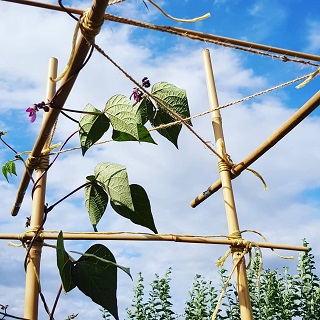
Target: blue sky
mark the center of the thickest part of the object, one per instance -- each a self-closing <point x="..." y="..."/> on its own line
<point x="286" y="213"/>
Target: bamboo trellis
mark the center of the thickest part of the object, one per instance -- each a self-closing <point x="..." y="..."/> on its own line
<point x="227" y="171"/>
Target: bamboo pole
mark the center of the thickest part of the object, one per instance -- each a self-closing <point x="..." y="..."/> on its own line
<point x="33" y="262"/>
<point x="232" y="219"/>
<point x="181" y="32"/>
<point x="286" y="127"/>
<point x="96" y="15"/>
<point x="131" y="236"/>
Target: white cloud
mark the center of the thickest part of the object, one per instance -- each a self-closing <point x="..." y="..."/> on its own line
<point x="172" y="178"/>
<point x="313" y="37"/>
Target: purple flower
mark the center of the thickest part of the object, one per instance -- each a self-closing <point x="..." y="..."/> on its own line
<point x="137" y="94"/>
<point x="32" y="113"/>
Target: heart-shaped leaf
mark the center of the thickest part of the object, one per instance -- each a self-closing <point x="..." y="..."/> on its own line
<point x="174" y="99"/>
<point x="114" y="179"/>
<point x="122" y="115"/>
<point x="65" y="265"/>
<point x="96" y="201"/>
<point x="97" y="278"/>
<point x="142" y="214"/>
<point x="92" y="127"/>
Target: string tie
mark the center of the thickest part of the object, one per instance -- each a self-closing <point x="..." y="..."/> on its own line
<point x="42" y="161"/>
<point x="88" y="27"/>
<point x="207" y="15"/>
<point x="313" y="75"/>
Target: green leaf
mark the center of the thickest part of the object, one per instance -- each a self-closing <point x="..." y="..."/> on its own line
<point x="114" y="180"/>
<point x="96" y="201"/>
<point x="65" y="265"/>
<point x="122" y="115"/>
<point x="176" y="100"/>
<point x="142" y="109"/>
<point x="161" y="117"/>
<point x="9" y="168"/>
<point x="142" y="214"/>
<point x="98" y="279"/>
<point x="144" y="135"/>
<point x="92" y="127"/>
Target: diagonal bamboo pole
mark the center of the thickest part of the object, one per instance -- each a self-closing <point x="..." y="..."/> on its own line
<point x="37" y="216"/>
<point x="95" y="16"/>
<point x="286" y="127"/>
<point x="232" y="219"/>
<point x="200" y="36"/>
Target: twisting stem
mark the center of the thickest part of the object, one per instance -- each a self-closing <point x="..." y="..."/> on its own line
<point x="1" y="134"/>
<point x="55" y="302"/>
<point x="68" y="195"/>
<point x="5" y="314"/>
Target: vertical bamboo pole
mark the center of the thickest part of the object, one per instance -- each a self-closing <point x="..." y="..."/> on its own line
<point x="232" y="220"/>
<point x="33" y="264"/>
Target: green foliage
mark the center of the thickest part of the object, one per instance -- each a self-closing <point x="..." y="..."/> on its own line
<point x="175" y="99"/>
<point x="94" y="273"/>
<point x="129" y="201"/>
<point x="98" y="279"/>
<point x="158" y="306"/>
<point x="308" y="287"/>
<point x="114" y="180"/>
<point x="65" y="265"/>
<point x="96" y="201"/>
<point x="9" y="168"/>
<point x="274" y="296"/>
<point x="202" y="300"/>
<point x="141" y="214"/>
<point x="122" y="115"/>
<point x="128" y="121"/>
<point x="92" y="125"/>
<point x="138" y="306"/>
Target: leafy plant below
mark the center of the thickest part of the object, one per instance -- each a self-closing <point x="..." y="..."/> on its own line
<point x="274" y="295"/>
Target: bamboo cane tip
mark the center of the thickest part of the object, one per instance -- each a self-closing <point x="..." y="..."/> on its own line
<point x="15" y="210"/>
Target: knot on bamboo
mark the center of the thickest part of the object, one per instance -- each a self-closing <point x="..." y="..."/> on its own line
<point x="243" y="244"/>
<point x="25" y="237"/>
<point x="223" y="166"/>
<point x="36" y="163"/>
<point x="89" y="27"/>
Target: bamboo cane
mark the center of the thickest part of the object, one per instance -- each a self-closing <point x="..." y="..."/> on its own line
<point x="131" y="236"/>
<point x="232" y="220"/>
<point x="181" y="32"/>
<point x="33" y="263"/>
<point x="95" y="15"/>
<point x="286" y="127"/>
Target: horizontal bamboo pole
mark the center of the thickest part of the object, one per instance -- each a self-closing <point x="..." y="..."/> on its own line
<point x="181" y="32"/>
<point x="289" y="125"/>
<point x="95" y="15"/>
<point x="143" y="237"/>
